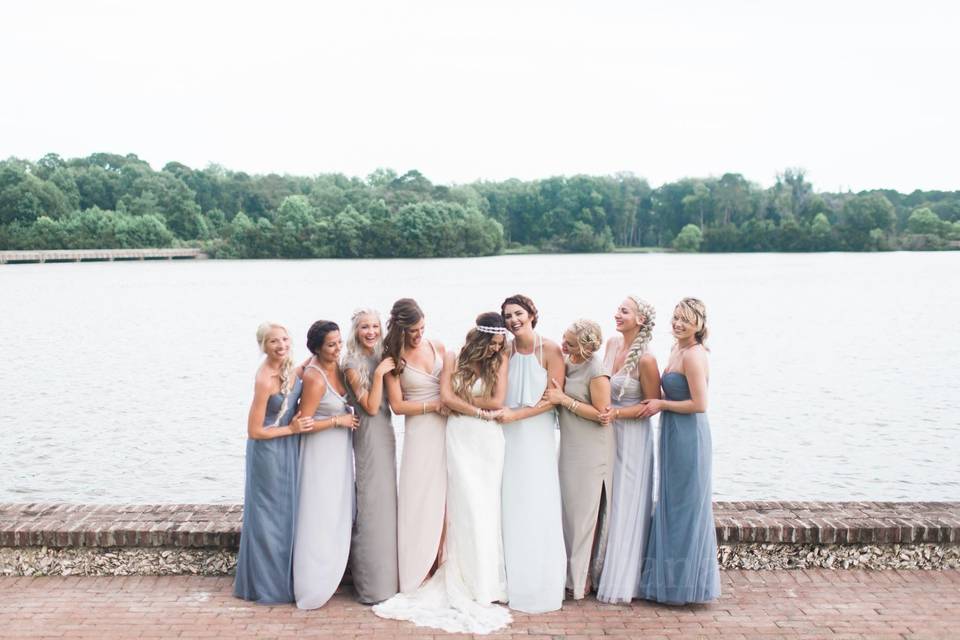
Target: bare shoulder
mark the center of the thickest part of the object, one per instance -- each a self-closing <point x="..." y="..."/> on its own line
<point x="264" y="381"/>
<point x="648" y="360"/>
<point x="552" y="349"/>
<point x="312" y="378"/>
<point x="613" y="343"/>
<point x="695" y="356"/>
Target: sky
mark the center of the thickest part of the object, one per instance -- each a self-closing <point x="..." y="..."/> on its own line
<point x="859" y="94"/>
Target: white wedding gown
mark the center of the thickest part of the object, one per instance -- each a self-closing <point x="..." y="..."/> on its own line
<point x="459" y="596"/>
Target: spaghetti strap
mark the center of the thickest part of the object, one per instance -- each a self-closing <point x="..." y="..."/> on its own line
<point x="540" y="346"/>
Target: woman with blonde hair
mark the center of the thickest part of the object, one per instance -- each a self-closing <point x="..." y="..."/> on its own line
<point x="634" y="378"/>
<point x="460" y="595"/>
<point x="265" y="560"/>
<point x="681" y="556"/>
<point x="413" y="389"/>
<point x="373" y="551"/>
<point x="586" y="454"/>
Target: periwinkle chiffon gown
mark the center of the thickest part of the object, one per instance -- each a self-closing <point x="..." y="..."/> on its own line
<point x="533" y="547"/>
<point x="632" y="497"/>
<point x="265" y="560"/>
<point x="587" y="451"/>
<point x="681" y="557"/>
<point x="458" y="597"/>
<point x="325" y="515"/>
<point x="422" y="498"/>
<point x="373" y="551"/>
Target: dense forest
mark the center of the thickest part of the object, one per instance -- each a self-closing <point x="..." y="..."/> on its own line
<point x="112" y="201"/>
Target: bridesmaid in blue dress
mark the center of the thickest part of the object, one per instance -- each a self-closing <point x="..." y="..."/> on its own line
<point x="265" y="561"/>
<point x="533" y="547"/>
<point x="681" y="558"/>
<point x="326" y="505"/>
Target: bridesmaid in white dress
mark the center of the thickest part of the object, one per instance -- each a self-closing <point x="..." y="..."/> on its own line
<point x="321" y="542"/>
<point x="459" y="597"/>
<point x="413" y="389"/>
<point x="534" y="552"/>
<point x="635" y="378"/>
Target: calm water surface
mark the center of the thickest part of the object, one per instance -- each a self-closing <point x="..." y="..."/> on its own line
<point x="833" y="376"/>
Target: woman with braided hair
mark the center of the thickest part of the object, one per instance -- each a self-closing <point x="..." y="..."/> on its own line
<point x="681" y="556"/>
<point x="587" y="451"/>
<point x="634" y="377"/>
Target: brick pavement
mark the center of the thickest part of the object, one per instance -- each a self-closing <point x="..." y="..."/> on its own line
<point x="755" y="604"/>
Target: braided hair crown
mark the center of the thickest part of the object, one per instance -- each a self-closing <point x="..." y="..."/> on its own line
<point x="638" y="347"/>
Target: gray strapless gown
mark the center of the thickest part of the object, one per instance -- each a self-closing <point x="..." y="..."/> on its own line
<point x="373" y="552"/>
<point x="325" y="514"/>
<point x="265" y="560"/>
<point x="681" y="558"/>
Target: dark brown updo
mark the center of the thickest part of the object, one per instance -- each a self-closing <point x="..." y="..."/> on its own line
<point x="318" y="333"/>
<point x="522" y="301"/>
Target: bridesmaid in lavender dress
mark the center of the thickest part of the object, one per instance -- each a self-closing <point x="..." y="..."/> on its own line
<point x="413" y="389"/>
<point x="635" y="378"/>
<point x="325" y="513"/>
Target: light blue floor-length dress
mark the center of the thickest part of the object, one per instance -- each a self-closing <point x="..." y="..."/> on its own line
<point x="681" y="557"/>
<point x="534" y="553"/>
<point x="325" y="514"/>
<point x="265" y="560"/>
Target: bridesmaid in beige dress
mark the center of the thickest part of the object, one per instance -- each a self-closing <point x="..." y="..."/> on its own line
<point x="413" y="389"/>
<point x="587" y="452"/>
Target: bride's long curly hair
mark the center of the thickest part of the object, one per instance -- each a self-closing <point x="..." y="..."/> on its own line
<point x="475" y="360"/>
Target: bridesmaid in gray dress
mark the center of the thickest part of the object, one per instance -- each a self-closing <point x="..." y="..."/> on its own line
<point x="587" y="451"/>
<point x="373" y="552"/>
<point x="325" y="513"/>
<point x="635" y="377"/>
<point x="681" y="558"/>
<point x="265" y="561"/>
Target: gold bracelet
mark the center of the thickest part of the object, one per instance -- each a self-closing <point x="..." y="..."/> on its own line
<point x="336" y="421"/>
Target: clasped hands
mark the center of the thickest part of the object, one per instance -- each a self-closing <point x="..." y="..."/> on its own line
<point x="306" y="424"/>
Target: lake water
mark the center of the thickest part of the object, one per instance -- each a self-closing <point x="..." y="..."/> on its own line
<point x="833" y="376"/>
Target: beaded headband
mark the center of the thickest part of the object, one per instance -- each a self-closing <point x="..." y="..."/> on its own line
<point x="500" y="331"/>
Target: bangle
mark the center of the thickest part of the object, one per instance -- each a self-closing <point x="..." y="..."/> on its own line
<point x="424" y="409"/>
<point x="336" y="421"/>
<point x="573" y="407"/>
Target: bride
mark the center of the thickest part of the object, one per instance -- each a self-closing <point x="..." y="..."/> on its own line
<point x="459" y="596"/>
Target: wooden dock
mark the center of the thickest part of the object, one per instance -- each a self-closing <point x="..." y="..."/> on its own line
<point x="101" y="255"/>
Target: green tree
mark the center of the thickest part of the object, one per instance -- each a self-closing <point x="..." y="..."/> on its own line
<point x="689" y="239"/>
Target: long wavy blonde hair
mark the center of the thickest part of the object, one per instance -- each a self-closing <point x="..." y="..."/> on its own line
<point x="287" y="376"/>
<point x="647" y="315"/>
<point x="356" y="357"/>
<point x="474" y="362"/>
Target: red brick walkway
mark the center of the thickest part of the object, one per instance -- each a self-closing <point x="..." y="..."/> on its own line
<point x="792" y="604"/>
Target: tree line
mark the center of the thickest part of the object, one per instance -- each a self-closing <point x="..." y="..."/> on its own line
<point x="109" y="201"/>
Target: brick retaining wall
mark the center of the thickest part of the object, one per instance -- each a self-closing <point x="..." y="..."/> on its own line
<point x="77" y="539"/>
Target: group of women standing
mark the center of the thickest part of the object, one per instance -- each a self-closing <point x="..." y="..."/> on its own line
<point x="484" y="511"/>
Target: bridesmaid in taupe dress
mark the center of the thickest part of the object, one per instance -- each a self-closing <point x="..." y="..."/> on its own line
<point x="587" y="452"/>
<point x="373" y="551"/>
<point x="413" y="388"/>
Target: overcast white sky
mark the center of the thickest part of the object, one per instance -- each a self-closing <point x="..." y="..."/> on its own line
<point x="861" y="94"/>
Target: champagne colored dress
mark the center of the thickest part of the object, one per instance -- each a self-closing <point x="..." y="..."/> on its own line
<point x="459" y="596"/>
<point x="422" y="499"/>
<point x="534" y="553"/>
<point x="681" y="558"/>
<point x="632" y="495"/>
<point x="587" y="451"/>
<point x="325" y="515"/>
<point x="265" y="561"/>
<point x="373" y="552"/>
